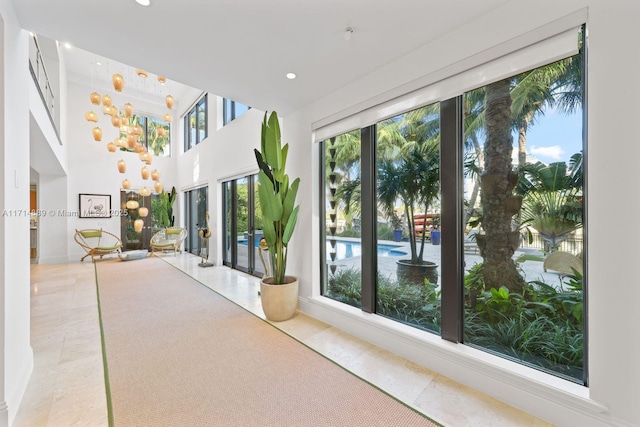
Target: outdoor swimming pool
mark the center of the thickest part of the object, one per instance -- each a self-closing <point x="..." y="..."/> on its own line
<point x="347" y="249"/>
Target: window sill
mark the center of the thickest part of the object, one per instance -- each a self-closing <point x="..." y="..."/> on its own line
<point x="521" y="386"/>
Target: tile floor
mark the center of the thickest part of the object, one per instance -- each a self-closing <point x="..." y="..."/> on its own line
<point x="67" y="384"/>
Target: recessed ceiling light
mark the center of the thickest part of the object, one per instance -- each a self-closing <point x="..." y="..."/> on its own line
<point x="348" y="32"/>
<point x="143" y="2"/>
<point x="291" y="76"/>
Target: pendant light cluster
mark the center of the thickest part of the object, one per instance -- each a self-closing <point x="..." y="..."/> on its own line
<point x="129" y="139"/>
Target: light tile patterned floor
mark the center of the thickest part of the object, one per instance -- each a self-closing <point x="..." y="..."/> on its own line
<point x="67" y="385"/>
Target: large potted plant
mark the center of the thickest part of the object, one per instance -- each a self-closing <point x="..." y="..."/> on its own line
<point x="413" y="180"/>
<point x="277" y="195"/>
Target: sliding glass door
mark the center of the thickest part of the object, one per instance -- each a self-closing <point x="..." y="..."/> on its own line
<point x="196" y="211"/>
<point x="242" y="225"/>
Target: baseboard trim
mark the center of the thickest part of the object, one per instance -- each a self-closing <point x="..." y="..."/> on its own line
<point x="4" y="414"/>
<point x="15" y="398"/>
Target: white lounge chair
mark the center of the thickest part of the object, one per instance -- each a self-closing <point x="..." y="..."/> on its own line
<point x="563" y="262"/>
<point x="168" y="240"/>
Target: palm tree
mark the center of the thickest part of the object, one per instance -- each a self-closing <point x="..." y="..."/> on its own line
<point x="414" y="180"/>
<point x="558" y="84"/>
<point x="553" y="199"/>
<point x="409" y="167"/>
<point x="499" y="242"/>
<point x="342" y="169"/>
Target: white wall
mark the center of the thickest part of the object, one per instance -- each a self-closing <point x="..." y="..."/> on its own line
<point x="613" y="396"/>
<point x="16" y="357"/>
<point x="226" y="153"/>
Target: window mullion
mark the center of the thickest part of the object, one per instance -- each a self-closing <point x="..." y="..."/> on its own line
<point x="369" y="218"/>
<point x="451" y="181"/>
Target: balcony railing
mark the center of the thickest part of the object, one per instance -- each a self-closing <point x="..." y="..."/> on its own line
<point x="40" y="76"/>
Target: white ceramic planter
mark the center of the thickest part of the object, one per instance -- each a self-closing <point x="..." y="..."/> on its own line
<point x="279" y="302"/>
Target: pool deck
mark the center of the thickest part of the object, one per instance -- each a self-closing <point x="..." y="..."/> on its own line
<point x="531" y="270"/>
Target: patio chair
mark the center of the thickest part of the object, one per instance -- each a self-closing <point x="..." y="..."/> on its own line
<point x="97" y="242"/>
<point x="168" y="239"/>
<point x="470" y="244"/>
<point x="563" y="262"/>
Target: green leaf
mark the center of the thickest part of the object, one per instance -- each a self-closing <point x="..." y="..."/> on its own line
<point x="289" y="201"/>
<point x="288" y="230"/>
<point x="270" y="235"/>
<point x="272" y="149"/>
<point x="270" y="202"/>
<point x="263" y="166"/>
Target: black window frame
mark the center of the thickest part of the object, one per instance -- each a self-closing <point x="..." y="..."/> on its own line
<point x="452" y="209"/>
<point x="189" y="141"/>
<point x="229" y="112"/>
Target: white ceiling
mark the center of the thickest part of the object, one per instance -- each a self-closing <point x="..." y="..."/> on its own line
<point x="242" y="49"/>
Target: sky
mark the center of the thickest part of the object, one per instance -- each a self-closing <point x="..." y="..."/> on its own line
<point x="554" y="137"/>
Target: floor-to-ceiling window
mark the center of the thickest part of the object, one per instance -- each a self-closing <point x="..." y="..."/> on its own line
<point x="195" y="202"/>
<point x="524" y="197"/>
<point x="342" y="256"/>
<point x="407" y="167"/>
<point x="483" y="193"/>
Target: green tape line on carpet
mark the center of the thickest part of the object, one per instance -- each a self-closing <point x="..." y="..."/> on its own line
<point x="105" y="365"/>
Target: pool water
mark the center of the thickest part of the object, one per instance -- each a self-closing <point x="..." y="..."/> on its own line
<point x="347" y="249"/>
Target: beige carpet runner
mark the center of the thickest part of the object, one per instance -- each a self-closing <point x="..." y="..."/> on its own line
<point x="179" y="354"/>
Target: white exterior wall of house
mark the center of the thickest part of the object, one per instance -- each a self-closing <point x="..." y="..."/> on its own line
<point x="612" y="397"/>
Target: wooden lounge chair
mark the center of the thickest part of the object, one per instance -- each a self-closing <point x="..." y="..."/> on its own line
<point x="168" y="239"/>
<point x="97" y="242"/>
<point x="563" y="262"/>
